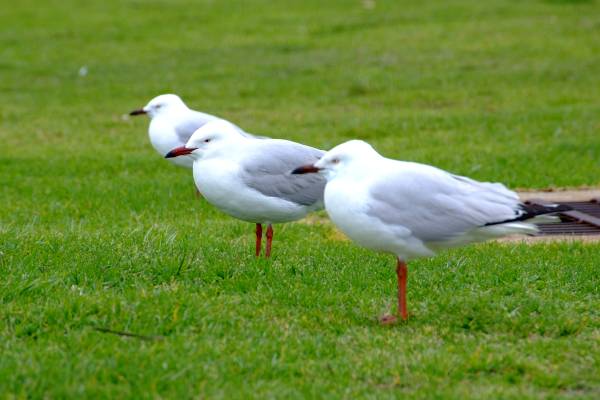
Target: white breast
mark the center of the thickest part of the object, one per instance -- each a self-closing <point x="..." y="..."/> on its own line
<point x="345" y="205"/>
<point x="219" y="182"/>
<point x="164" y="139"/>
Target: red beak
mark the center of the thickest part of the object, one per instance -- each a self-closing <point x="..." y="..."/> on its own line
<point x="306" y="169"/>
<point x="179" y="151"/>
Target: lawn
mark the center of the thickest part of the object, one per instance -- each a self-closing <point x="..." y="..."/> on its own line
<point x="98" y="233"/>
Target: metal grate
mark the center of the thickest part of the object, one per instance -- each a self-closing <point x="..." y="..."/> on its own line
<point x="584" y="219"/>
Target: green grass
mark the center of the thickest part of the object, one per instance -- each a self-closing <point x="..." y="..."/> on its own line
<point x="96" y="231"/>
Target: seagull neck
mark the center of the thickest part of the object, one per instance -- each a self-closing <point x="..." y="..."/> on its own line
<point x="239" y="139"/>
<point x="178" y="109"/>
<point x="225" y="149"/>
<point x="361" y="169"/>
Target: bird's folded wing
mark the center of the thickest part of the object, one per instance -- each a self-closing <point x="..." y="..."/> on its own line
<point x="435" y="205"/>
<point x="187" y="126"/>
<point x="267" y="169"/>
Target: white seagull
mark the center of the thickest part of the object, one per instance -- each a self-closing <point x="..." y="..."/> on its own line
<point x="415" y="210"/>
<point x="249" y="177"/>
<point x="172" y="123"/>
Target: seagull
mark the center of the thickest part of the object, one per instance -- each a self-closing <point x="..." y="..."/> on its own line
<point x="172" y="124"/>
<point x="414" y="210"/>
<point x="249" y="178"/>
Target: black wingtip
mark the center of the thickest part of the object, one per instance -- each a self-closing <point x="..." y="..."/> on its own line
<point x="562" y="208"/>
<point x="532" y="209"/>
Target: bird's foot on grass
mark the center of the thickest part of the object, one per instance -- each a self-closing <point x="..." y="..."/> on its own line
<point x="389" y="319"/>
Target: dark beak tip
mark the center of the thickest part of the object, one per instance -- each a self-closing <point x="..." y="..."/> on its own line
<point x="305" y="169"/>
<point x="137" y="112"/>
<point x="179" y="151"/>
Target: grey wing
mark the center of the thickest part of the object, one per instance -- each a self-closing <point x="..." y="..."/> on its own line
<point x="186" y="127"/>
<point x="436" y="206"/>
<point x="268" y="171"/>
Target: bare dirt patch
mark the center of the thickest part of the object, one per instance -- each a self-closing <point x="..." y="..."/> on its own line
<point x="582" y="194"/>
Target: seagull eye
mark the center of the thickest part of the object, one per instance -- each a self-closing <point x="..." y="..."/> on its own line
<point x="335" y="161"/>
<point x="207" y="140"/>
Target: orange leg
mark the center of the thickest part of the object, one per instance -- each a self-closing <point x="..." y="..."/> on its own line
<point x="258" y="239"/>
<point x="269" y="240"/>
<point x="402" y="275"/>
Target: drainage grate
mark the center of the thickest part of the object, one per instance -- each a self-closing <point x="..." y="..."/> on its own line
<point x="584" y="219"/>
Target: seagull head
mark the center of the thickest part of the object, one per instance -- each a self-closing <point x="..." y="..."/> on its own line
<point x="212" y="136"/>
<point x="340" y="159"/>
<point x="162" y="104"/>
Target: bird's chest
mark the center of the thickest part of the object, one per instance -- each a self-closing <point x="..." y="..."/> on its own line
<point x="220" y="183"/>
<point x="216" y="180"/>
<point x="163" y="136"/>
<point x="347" y="204"/>
<point x="346" y="207"/>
